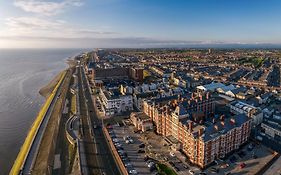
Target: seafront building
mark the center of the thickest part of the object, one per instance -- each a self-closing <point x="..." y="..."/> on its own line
<point x="191" y="121"/>
<point x="115" y="102"/>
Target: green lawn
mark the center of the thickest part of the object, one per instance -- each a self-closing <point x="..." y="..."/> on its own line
<point x="256" y="62"/>
<point x="165" y="170"/>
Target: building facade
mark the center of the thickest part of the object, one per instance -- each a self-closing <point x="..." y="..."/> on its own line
<point x="203" y="138"/>
<point x="114" y="102"/>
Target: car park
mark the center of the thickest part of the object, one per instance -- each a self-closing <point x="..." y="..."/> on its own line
<point x="128" y="139"/>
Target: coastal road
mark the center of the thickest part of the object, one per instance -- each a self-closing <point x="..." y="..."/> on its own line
<point x="32" y="154"/>
<point x="101" y="159"/>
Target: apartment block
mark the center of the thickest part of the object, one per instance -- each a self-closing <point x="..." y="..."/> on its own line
<point x="202" y="136"/>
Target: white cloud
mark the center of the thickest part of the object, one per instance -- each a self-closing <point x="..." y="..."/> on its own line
<point x="31" y="25"/>
<point x="47" y="8"/>
<point x="42" y="27"/>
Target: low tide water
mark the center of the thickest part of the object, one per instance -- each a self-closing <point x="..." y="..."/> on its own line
<point x="22" y="73"/>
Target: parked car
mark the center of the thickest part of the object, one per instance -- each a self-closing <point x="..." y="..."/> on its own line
<point x="202" y="173"/>
<point x="146" y="158"/>
<point x="191" y="172"/>
<point x="142" y="145"/>
<point x="151" y="164"/>
<point x="127" y="141"/>
<point x="242" y="165"/>
<point x="214" y="170"/>
<point x="172" y="154"/>
<point x="133" y="171"/>
<point x="251" y="147"/>
<point x="185" y="166"/>
<point x="224" y="165"/>
<point x="141" y="151"/>
<point x="128" y="165"/>
<point x="152" y="168"/>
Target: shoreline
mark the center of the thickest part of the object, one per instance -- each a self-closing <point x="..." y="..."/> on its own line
<point x="46" y="90"/>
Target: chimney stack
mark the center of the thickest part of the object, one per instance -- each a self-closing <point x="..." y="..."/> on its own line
<point x="232" y="121"/>
<point x="190" y="126"/>
<point x="207" y="95"/>
<point x="214" y="120"/>
<point x="201" y="131"/>
<point x="222" y="117"/>
<point x="216" y="127"/>
<point x="192" y="95"/>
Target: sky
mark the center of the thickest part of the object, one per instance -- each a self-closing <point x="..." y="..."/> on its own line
<point x="138" y="23"/>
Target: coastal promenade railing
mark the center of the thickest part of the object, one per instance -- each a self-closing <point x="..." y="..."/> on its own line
<point x="22" y="155"/>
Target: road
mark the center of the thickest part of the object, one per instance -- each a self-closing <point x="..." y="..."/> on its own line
<point x="98" y="154"/>
<point x="32" y="154"/>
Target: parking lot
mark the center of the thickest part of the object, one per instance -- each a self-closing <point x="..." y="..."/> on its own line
<point x="128" y="146"/>
<point x="248" y="160"/>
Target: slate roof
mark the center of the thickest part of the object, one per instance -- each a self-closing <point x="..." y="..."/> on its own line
<point x="211" y="132"/>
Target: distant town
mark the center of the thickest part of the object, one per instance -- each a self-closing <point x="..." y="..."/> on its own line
<point x="164" y="112"/>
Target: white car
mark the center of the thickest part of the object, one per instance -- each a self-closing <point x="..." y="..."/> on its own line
<point x="128" y="164"/>
<point x="127" y="141"/>
<point x="172" y="154"/>
<point x="191" y="172"/>
<point x="115" y="140"/>
<point x="133" y="171"/>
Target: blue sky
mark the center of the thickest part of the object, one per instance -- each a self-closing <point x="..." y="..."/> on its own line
<point x="138" y="23"/>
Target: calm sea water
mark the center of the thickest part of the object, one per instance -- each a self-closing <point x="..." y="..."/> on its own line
<point x="22" y="74"/>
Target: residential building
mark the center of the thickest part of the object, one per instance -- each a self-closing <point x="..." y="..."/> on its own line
<point x="136" y="74"/>
<point x="115" y="102"/>
<point x="141" y="121"/>
<point x="239" y="107"/>
<point x="202" y="137"/>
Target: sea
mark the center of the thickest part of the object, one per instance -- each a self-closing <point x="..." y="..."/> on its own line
<point x="22" y="73"/>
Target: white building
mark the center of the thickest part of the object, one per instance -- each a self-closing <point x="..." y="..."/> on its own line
<point x="114" y="102"/>
<point x="210" y="87"/>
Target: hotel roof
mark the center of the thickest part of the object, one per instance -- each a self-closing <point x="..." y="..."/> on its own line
<point x="221" y="127"/>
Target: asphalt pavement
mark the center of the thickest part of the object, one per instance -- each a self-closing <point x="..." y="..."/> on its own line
<point x="99" y="157"/>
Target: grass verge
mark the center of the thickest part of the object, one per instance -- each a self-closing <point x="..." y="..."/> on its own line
<point x="165" y="170"/>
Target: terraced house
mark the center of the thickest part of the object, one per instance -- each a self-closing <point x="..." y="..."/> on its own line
<point x="203" y="137"/>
